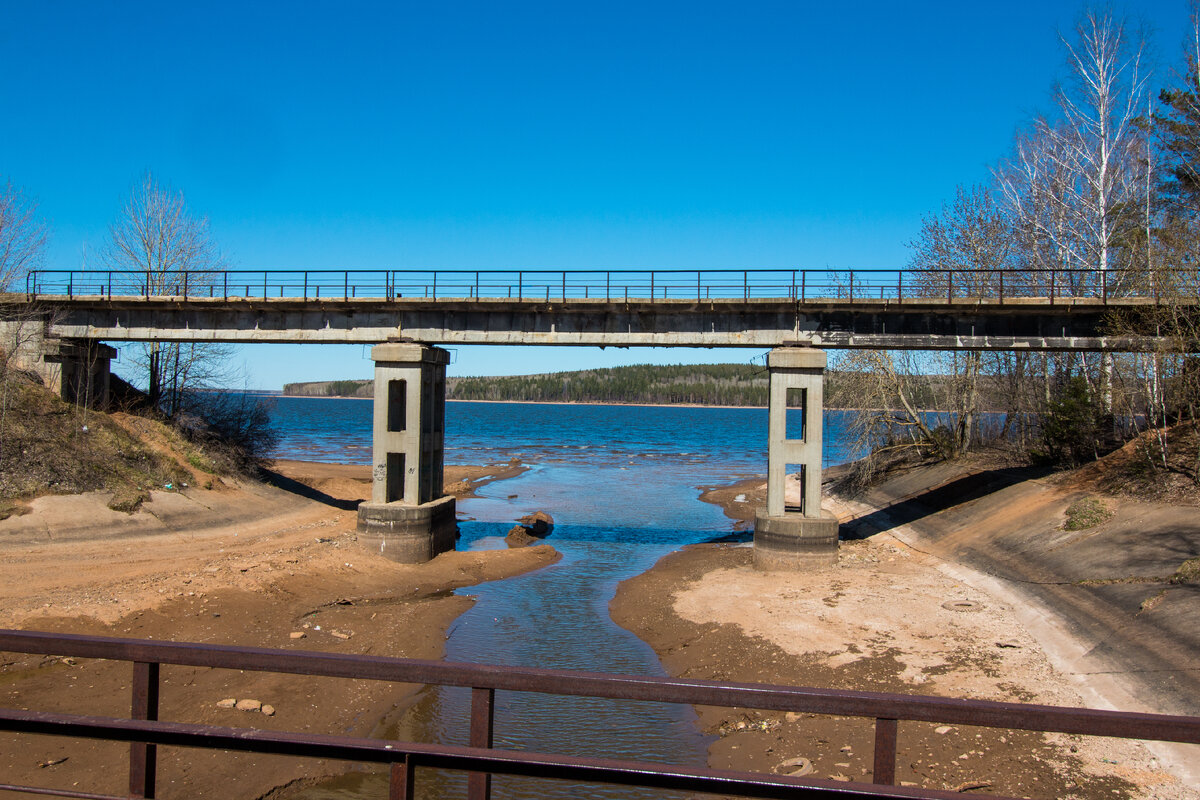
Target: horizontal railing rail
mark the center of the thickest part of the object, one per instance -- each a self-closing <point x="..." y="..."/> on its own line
<point x="406" y="756"/>
<point x="483" y="680"/>
<point x="799" y="285"/>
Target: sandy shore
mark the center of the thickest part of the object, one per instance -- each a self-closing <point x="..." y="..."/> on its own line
<point x="178" y="572"/>
<point x="891" y="618"/>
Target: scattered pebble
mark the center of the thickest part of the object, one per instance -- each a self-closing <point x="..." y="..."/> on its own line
<point x="228" y="702"/>
<point x="297" y="634"/>
<point x="795" y="767"/>
<point x="248" y="705"/>
<point x="268" y="710"/>
<point x="942" y="730"/>
<point x="341" y="635"/>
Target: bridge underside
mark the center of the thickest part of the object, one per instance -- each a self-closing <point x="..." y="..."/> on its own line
<point x="962" y="324"/>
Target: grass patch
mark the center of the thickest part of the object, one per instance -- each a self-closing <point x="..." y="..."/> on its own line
<point x="12" y="508"/>
<point x="128" y="500"/>
<point x="1086" y="513"/>
<point x="201" y="462"/>
<point x="1188" y="572"/>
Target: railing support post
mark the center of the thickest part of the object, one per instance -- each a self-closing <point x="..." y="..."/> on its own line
<point x="483" y="703"/>
<point x="520" y="286"/>
<point x="345" y="284"/>
<point x="476" y="284"/>
<point x="400" y="783"/>
<point x="564" y="286"/>
<point x="885" y="752"/>
<point x="143" y="757"/>
<point x="185" y="282"/>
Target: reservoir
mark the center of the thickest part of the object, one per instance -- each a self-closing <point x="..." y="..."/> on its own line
<point x="622" y="483"/>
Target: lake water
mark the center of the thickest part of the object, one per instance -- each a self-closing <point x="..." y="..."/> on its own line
<point x="622" y="485"/>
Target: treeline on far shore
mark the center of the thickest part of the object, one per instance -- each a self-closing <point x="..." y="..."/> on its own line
<point x="694" y="384"/>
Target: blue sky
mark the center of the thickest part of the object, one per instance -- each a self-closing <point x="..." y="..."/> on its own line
<point x="538" y="135"/>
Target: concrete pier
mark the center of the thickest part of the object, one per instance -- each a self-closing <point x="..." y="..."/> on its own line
<point x="408" y="518"/>
<point x="792" y="532"/>
<point x="78" y="369"/>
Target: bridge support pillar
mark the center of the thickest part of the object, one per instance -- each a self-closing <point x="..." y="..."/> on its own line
<point x="408" y="518"/>
<point x="78" y="369"/>
<point x="792" y="532"/>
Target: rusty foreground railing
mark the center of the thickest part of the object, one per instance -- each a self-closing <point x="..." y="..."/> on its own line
<point x="145" y="732"/>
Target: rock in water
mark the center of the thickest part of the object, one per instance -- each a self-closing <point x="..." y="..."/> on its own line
<point x="538" y="524"/>
<point x="519" y="537"/>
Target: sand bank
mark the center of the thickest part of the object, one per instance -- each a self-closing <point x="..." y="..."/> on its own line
<point x="888" y="618"/>
<point x="295" y="568"/>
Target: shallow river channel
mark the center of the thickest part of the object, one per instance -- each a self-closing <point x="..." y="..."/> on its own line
<point x="622" y="486"/>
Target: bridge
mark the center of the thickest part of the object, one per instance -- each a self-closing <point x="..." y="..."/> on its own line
<point x="796" y="314"/>
<point x="1068" y="310"/>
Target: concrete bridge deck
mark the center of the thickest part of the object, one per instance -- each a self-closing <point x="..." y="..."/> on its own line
<point x="893" y="309"/>
<point x="1027" y="323"/>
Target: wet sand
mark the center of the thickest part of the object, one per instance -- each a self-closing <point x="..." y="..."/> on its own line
<point x="889" y="618"/>
<point x="295" y="568"/>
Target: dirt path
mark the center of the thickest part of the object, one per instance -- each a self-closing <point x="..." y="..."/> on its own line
<point x="258" y="583"/>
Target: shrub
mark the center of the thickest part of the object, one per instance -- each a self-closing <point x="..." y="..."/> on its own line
<point x="1071" y="427"/>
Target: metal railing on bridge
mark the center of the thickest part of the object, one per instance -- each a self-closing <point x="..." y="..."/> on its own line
<point x="145" y="732"/>
<point x="610" y="285"/>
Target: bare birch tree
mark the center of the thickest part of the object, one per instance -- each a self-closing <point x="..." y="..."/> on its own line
<point x="22" y="236"/>
<point x="156" y="235"/>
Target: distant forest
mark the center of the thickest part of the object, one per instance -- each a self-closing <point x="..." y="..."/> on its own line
<point x="696" y="384"/>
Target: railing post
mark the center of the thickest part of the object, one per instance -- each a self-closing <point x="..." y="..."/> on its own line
<point x="1051" y="287"/>
<point x="147" y="284"/>
<point x="852" y="286"/>
<point x="143" y="757"/>
<point x="520" y="286"/>
<point x="564" y="286"/>
<point x="651" y="284"/>
<point x="900" y="286"/>
<point x="483" y="702"/>
<point x="185" y="284"/>
<point x="793" y="284"/>
<point x="435" y="286"/>
<point x="70" y="284"/>
<point x="949" y="287"/>
<point x="745" y="285"/>
<point x="264" y="284"/>
<point x="803" y="287"/>
<point x="110" y="284"/>
<point x="697" y="286"/>
<point x="400" y="783"/>
<point x="885" y="752"/>
<point x="1001" y="287"/>
<point x="607" y="286"/>
<point x="345" y="284"/>
<point x="1104" y="286"/>
<point x="225" y="284"/>
<point x="476" y="284"/>
<point x="305" y="284"/>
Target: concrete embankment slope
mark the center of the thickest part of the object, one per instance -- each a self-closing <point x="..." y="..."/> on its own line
<point x="1120" y="616"/>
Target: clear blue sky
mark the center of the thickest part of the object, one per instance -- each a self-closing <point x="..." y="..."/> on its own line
<point x="536" y="135"/>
